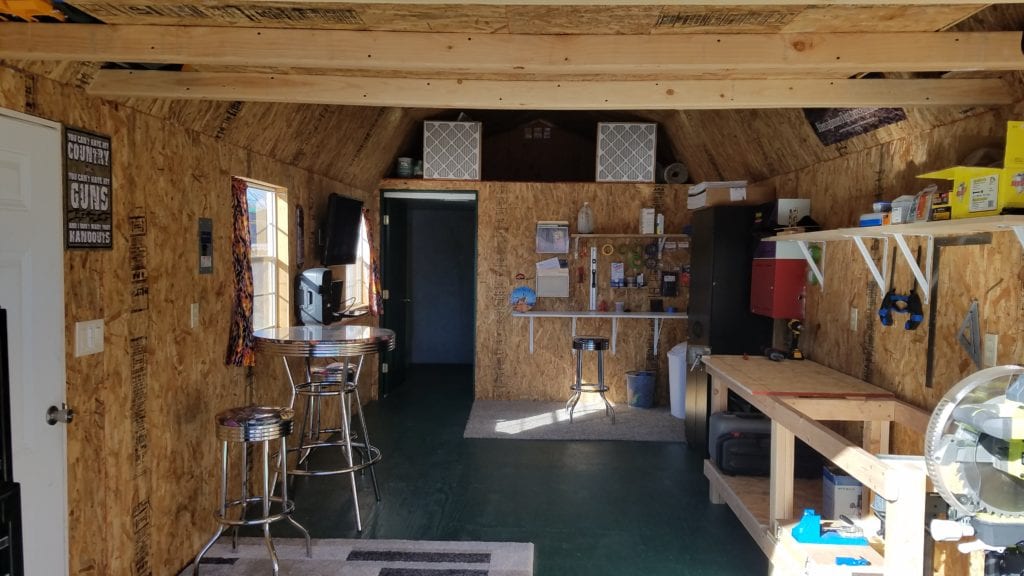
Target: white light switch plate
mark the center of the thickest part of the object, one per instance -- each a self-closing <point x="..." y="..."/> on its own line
<point x="88" y="337"/>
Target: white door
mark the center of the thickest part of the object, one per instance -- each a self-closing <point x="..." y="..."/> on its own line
<point x="32" y="292"/>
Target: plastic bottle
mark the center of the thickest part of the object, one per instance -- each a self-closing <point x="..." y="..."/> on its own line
<point x="585" y="219"/>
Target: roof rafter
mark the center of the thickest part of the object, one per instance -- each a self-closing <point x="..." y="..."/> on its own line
<point x="549" y="95"/>
<point x="513" y="54"/>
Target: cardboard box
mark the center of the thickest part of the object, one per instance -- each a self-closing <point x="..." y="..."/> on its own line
<point x="979" y="191"/>
<point x="723" y="193"/>
<point x="841" y="494"/>
<point x="1014" y="157"/>
<point x="647" y="220"/>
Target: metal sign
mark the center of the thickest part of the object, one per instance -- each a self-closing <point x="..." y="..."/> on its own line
<point x="88" y="202"/>
<point x="834" y="125"/>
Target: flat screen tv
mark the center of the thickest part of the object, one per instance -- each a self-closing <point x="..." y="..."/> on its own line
<point x="340" y="230"/>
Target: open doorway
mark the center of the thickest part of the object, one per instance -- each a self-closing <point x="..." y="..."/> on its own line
<point x="428" y="256"/>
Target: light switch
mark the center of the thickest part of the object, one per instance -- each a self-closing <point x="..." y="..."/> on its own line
<point x="194" y="315"/>
<point x="88" y="337"/>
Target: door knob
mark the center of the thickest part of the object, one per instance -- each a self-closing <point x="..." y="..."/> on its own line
<point x="62" y="414"/>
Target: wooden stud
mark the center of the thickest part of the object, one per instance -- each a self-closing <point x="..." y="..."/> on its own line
<point x="781" y="493"/>
<point x="516" y="54"/>
<point x="548" y="95"/>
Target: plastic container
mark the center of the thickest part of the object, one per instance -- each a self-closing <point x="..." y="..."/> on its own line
<point x="640" y="388"/>
<point x="677" y="380"/>
<point x="585" y="219"/>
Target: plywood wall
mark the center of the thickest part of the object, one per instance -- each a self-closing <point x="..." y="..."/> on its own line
<point x="142" y="454"/>
<point x="507" y="216"/>
<point x="892" y="357"/>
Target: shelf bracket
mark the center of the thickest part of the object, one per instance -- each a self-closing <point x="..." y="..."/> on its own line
<point x="657" y="335"/>
<point x="876" y="273"/>
<point x="924" y="278"/>
<point x="531" y="334"/>
<point x="810" y="261"/>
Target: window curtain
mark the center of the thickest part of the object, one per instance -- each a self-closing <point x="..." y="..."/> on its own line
<point x="374" y="294"/>
<point x="240" y="340"/>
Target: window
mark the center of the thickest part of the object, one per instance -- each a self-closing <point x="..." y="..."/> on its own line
<point x="357" y="276"/>
<point x="268" y="208"/>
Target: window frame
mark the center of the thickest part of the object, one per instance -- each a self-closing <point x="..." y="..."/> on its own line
<point x="277" y="252"/>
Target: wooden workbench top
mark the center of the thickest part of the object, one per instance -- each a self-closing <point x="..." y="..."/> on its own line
<point x="762" y="377"/>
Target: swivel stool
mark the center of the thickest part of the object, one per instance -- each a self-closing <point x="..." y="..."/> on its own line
<point x="337" y="380"/>
<point x="581" y="344"/>
<point x="254" y="425"/>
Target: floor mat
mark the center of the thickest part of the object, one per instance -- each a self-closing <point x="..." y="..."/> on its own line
<point x="344" y="557"/>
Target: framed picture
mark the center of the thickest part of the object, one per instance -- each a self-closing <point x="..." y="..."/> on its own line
<point x="552" y="237"/>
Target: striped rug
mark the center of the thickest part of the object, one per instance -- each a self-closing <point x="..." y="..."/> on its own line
<point x="340" y="557"/>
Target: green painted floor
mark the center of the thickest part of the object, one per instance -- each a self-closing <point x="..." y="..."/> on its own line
<point x="593" y="508"/>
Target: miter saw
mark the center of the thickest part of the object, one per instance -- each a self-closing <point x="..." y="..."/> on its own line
<point x="974" y="454"/>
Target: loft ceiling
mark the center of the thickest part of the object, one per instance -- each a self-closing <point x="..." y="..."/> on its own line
<point x="595" y="54"/>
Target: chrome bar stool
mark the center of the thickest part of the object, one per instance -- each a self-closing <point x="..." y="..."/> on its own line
<point x="336" y="380"/>
<point x="248" y="426"/>
<point x="581" y="344"/>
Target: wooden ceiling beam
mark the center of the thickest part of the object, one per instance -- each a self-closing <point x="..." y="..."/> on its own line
<point x="434" y="53"/>
<point x="550" y="95"/>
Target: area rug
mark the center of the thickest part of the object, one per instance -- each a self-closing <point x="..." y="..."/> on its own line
<point x="342" y="557"/>
<point x="526" y="420"/>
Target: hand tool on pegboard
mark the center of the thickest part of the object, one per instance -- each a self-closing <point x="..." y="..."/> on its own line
<point x="933" y="301"/>
<point x="969" y="335"/>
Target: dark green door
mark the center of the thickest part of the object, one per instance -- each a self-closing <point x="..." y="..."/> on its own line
<point x="395" y="282"/>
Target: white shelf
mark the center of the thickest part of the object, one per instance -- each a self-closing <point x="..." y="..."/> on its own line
<point x="899" y="233"/>
<point x="615" y="316"/>
<point x="661" y="238"/>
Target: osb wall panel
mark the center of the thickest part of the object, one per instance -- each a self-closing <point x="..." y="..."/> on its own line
<point x="142" y="455"/>
<point x="507" y="217"/>
<point x="892" y="357"/>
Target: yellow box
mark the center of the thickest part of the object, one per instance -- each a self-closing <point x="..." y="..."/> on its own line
<point x="979" y="191"/>
<point x="1014" y="157"/>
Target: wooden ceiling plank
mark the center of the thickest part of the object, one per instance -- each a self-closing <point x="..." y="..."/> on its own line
<point x="551" y="95"/>
<point x="673" y="3"/>
<point x="516" y="54"/>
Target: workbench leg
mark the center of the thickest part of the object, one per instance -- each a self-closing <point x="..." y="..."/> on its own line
<point x="876" y="441"/>
<point x="780" y="494"/>
<point x="904" y="530"/>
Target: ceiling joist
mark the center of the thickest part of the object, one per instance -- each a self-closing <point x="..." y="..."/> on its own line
<point x="549" y="95"/>
<point x="436" y="53"/>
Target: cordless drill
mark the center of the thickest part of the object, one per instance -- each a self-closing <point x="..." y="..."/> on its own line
<point x="795" y="327"/>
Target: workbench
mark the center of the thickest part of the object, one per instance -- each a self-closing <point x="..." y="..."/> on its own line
<point x="797" y="396"/>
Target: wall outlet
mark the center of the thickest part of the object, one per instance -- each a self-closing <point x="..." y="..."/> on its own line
<point x="990" y="351"/>
<point x="193" y="317"/>
<point x="88" y="337"/>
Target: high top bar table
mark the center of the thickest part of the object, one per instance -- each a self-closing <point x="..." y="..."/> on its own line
<point x="352" y="344"/>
